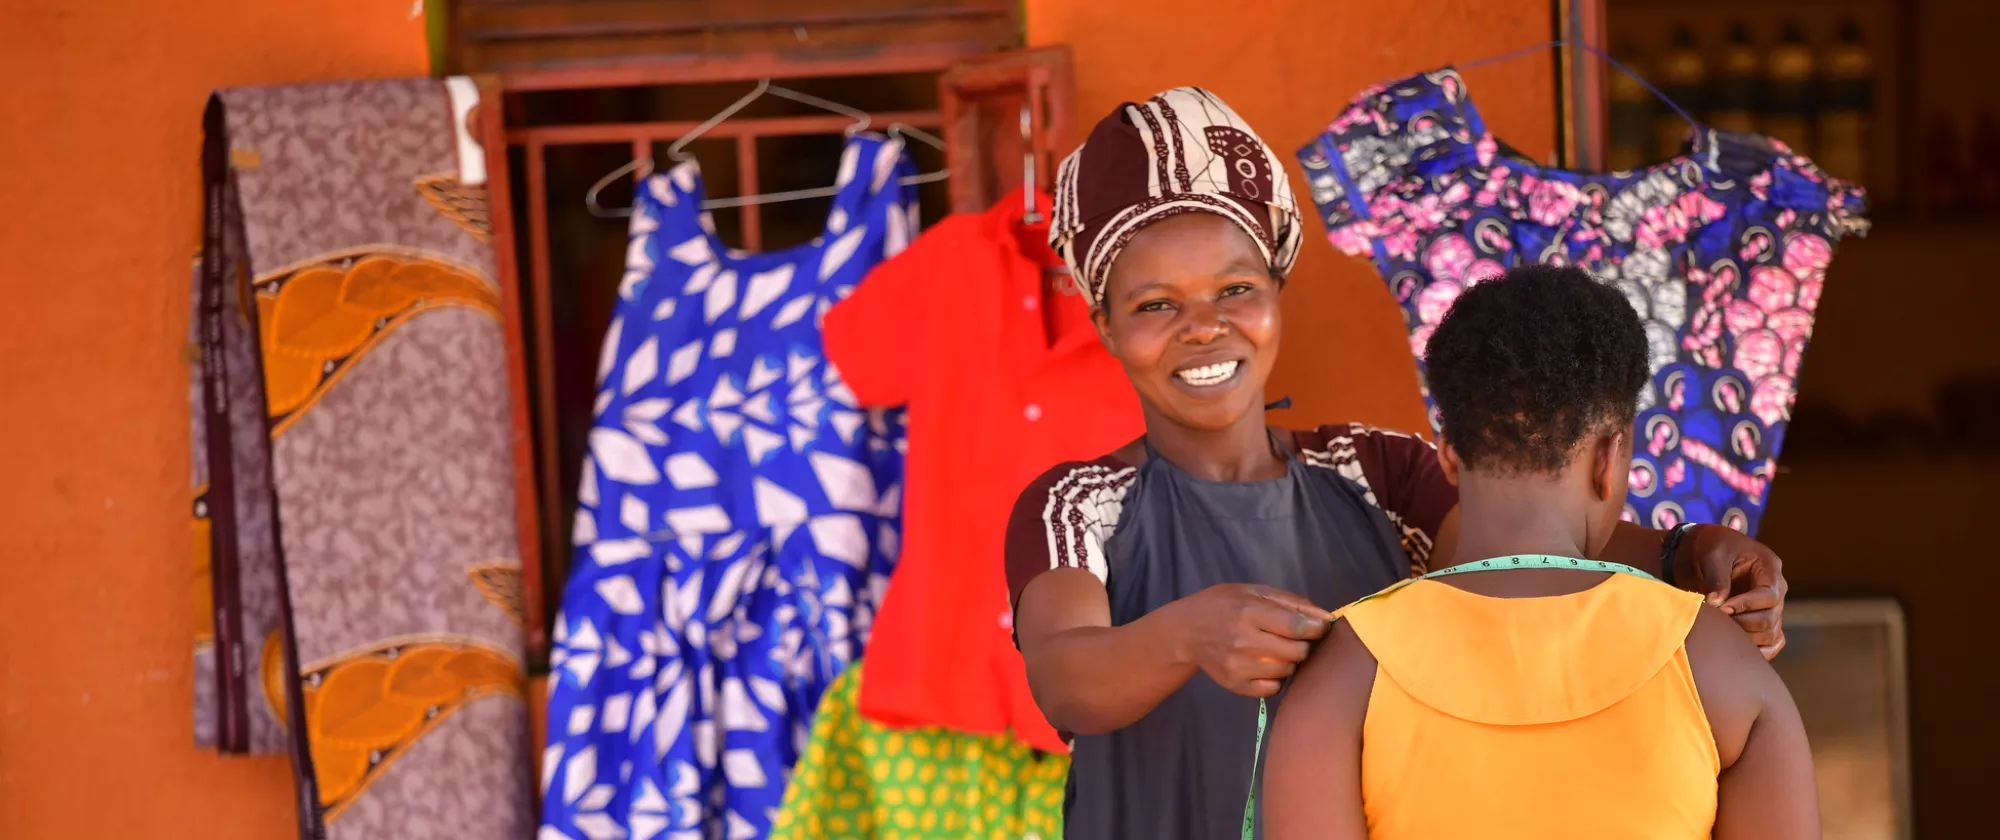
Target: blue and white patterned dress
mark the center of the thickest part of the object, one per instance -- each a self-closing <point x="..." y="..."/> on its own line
<point x="738" y="521"/>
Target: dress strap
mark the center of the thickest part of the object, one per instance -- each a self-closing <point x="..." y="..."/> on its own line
<point x="872" y="165"/>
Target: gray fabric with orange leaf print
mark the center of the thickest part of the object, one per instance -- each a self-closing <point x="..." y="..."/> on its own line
<point x="354" y="486"/>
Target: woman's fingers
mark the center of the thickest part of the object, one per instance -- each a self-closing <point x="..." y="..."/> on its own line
<point x="1250" y="677"/>
<point x="1755" y="599"/>
<point x="1265" y="634"/>
<point x="1260" y="688"/>
<point x="1770" y="651"/>
<point x="1764" y="628"/>
<point x="1276" y="648"/>
<point x="1285" y="620"/>
<point x="1291" y="601"/>
<point x="1264" y="669"/>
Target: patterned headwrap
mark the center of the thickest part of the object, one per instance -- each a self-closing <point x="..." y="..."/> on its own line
<point x="1183" y="151"/>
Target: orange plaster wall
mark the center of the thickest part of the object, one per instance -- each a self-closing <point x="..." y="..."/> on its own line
<point x="1289" y="66"/>
<point x="100" y="202"/>
<point x="100" y="105"/>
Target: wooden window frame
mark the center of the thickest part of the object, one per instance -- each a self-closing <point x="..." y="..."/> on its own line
<point x="1042" y="75"/>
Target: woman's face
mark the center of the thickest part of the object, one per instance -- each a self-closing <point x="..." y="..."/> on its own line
<point x="1191" y="311"/>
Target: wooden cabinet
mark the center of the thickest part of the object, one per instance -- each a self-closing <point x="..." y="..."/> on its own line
<point x="1001" y="111"/>
<point x="510" y="36"/>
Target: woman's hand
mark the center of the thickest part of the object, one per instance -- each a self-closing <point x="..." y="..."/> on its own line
<point x="1746" y="579"/>
<point x="1248" y="638"/>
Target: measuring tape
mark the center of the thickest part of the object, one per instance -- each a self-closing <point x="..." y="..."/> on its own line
<point x="1497" y="564"/>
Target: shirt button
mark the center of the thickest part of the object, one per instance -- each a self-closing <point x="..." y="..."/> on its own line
<point x="1007" y="620"/>
<point x="1028" y="302"/>
<point x="1033" y="412"/>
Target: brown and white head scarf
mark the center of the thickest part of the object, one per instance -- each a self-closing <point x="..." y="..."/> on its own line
<point x="1182" y="151"/>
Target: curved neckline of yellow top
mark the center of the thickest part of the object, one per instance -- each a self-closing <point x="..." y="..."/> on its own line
<point x="1593" y="587"/>
<point x="1524" y="661"/>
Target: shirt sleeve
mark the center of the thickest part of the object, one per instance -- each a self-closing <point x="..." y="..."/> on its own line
<point x="1360" y="171"/>
<point x="868" y="335"/>
<point x="1401" y="474"/>
<point x="1063" y="519"/>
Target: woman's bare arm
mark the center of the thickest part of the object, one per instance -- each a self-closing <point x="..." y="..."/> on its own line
<point x="1769" y="793"/>
<point x="1087" y="676"/>
<point x="1312" y="773"/>
<point x="1766" y="790"/>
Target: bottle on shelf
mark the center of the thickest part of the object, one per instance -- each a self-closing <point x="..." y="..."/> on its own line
<point x="1986" y="161"/>
<point x="1846" y="105"/>
<point x="1944" y="166"/>
<point x="1787" y="111"/>
<point x="1683" y="76"/>
<point x="1629" y="125"/>
<point x="1739" y="80"/>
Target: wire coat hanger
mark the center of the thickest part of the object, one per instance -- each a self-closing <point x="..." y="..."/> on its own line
<point x="1056" y="275"/>
<point x="1593" y="50"/>
<point x="678" y="153"/>
<point x="896" y="130"/>
<point x="1029" y="215"/>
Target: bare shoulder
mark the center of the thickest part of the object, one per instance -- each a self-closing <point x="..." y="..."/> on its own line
<point x="1732" y="678"/>
<point x="1336" y="677"/>
<point x="1715" y="636"/>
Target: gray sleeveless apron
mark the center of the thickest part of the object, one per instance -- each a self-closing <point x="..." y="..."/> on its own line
<point x="1184" y="769"/>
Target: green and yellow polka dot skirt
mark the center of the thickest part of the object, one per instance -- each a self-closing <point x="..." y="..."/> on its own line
<point x="860" y="780"/>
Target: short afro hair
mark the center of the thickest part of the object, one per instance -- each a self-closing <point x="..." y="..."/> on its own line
<point x="1526" y="365"/>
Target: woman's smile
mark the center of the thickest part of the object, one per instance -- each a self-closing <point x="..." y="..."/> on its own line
<point x="1209" y="377"/>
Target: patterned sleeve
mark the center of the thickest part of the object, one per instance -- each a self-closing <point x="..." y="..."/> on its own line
<point x="1359" y="168"/>
<point x="1819" y="202"/>
<point x="1400" y="473"/>
<point x="1064" y="518"/>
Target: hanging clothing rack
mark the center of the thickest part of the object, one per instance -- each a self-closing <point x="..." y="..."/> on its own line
<point x="973" y="81"/>
<point x="1029" y="215"/>
<point x="678" y="152"/>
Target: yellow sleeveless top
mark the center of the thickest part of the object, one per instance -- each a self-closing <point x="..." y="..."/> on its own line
<point x="1562" y="716"/>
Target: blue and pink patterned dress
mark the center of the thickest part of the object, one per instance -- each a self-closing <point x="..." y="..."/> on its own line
<point x="1722" y="250"/>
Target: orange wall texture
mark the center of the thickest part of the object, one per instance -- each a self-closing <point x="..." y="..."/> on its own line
<point x="100" y="200"/>
<point x="100" y="105"/>
<point x="1289" y="66"/>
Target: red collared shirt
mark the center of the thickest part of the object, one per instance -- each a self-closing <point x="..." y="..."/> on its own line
<point x="1004" y="377"/>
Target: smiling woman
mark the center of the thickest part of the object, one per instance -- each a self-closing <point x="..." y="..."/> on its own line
<point x="1179" y="226"/>
<point x="1164" y="591"/>
<point x="1192" y="312"/>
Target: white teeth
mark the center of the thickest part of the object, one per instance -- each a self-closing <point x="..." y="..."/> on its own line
<point x="1214" y="374"/>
